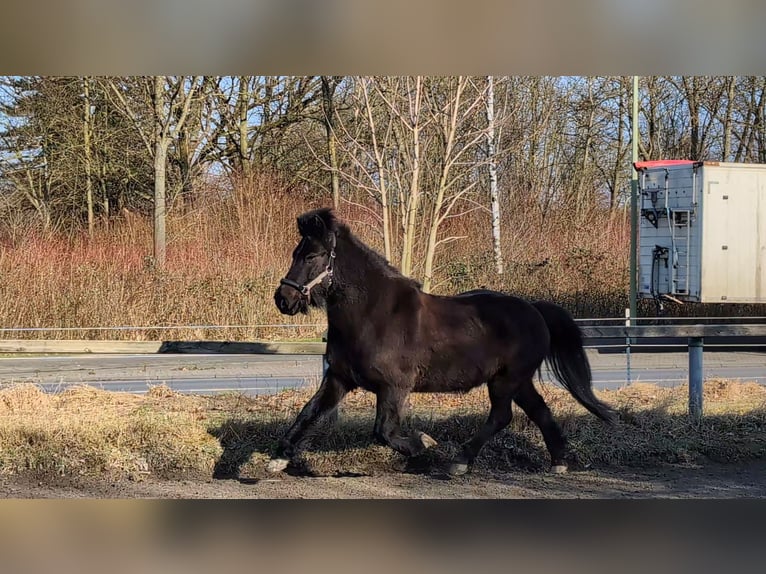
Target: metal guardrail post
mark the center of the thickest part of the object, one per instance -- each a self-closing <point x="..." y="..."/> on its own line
<point x="695" y="376"/>
<point x="627" y="346"/>
<point x="325" y="364"/>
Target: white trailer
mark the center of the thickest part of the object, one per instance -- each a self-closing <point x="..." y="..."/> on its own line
<point x="702" y="231"/>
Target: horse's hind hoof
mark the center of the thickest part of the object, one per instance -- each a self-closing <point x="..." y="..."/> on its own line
<point x="426" y="440"/>
<point x="277" y="465"/>
<point x="559" y="469"/>
<point x="457" y="469"/>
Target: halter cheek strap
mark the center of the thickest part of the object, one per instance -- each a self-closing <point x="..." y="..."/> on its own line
<point x="305" y="290"/>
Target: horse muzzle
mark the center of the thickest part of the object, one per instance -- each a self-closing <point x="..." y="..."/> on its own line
<point x="289" y="301"/>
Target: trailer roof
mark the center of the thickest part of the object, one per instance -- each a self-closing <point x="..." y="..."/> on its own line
<point x="663" y="163"/>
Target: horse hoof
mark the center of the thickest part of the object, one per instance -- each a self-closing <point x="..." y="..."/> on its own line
<point x="559" y="469"/>
<point x="277" y="465"/>
<point x="426" y="440"/>
<point x="457" y="469"/>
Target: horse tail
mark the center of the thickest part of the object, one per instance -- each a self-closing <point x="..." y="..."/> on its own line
<point x="568" y="361"/>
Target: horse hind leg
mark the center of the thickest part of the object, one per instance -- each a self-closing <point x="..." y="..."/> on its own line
<point x="501" y="394"/>
<point x="538" y="412"/>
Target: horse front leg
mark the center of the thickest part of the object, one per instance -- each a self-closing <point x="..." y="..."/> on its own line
<point x="324" y="401"/>
<point x="387" y="428"/>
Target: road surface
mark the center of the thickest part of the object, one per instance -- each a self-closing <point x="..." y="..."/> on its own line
<point x="259" y="374"/>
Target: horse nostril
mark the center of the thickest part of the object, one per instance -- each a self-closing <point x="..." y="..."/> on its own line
<point x="282" y="303"/>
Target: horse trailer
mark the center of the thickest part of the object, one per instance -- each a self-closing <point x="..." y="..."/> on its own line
<point x="702" y="231"/>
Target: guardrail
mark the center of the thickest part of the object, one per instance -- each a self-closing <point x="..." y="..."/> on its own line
<point x="621" y="337"/>
<point x="695" y="336"/>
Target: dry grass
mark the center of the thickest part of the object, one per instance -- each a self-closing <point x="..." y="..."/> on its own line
<point x="85" y="431"/>
<point x="224" y="260"/>
<point x="163" y="434"/>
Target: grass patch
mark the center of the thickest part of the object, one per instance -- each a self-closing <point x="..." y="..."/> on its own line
<point x="85" y="431"/>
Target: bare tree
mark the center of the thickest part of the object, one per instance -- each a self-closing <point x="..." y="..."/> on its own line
<point x="730" y="85"/>
<point x="382" y="143"/>
<point x="415" y="146"/>
<point x="171" y="98"/>
<point x="454" y="114"/>
<point x="329" y="85"/>
<point x="408" y="109"/>
<point x="87" y="130"/>
<point x="492" y="167"/>
<point x="748" y="118"/>
<point x="382" y="178"/>
<point x="260" y="122"/>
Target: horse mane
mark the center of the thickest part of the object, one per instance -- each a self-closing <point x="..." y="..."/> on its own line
<point x="318" y="222"/>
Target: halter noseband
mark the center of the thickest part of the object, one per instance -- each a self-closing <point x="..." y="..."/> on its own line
<point x="305" y="290"/>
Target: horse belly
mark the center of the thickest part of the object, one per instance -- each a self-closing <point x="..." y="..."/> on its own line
<point x="451" y="379"/>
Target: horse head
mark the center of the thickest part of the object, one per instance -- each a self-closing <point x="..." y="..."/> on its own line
<point x="311" y="273"/>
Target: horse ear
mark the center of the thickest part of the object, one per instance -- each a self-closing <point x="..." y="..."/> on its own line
<point x="320" y="225"/>
<point x="316" y="223"/>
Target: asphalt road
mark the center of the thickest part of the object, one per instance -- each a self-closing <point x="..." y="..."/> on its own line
<point x="259" y="374"/>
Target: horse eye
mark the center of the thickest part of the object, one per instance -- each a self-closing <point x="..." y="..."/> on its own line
<point x="312" y="256"/>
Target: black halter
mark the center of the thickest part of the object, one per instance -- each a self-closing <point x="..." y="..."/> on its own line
<point x="305" y="289"/>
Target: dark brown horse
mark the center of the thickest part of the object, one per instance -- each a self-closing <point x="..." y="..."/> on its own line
<point x="389" y="337"/>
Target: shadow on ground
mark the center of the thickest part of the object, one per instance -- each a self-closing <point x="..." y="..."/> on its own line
<point x="643" y="440"/>
<point x="346" y="447"/>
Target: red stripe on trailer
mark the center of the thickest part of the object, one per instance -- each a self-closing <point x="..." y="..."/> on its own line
<point x="663" y="163"/>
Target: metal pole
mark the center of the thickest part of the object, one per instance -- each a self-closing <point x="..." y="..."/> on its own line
<point x="632" y="310"/>
<point x="325" y="364"/>
<point x="695" y="376"/>
<point x="627" y="343"/>
<point x="634" y="206"/>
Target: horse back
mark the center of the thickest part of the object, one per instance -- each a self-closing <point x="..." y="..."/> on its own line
<point x="435" y="343"/>
<point x="474" y="336"/>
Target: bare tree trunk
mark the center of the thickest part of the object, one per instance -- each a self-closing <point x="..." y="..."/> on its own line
<point x="493" y="195"/>
<point x="86" y="129"/>
<point x="615" y="179"/>
<point x="691" y="87"/>
<point x="582" y="197"/>
<point x="160" y="165"/>
<point x="747" y="139"/>
<point x="382" y="179"/>
<point x="243" y="101"/>
<point x="160" y="162"/>
<point x="727" y="123"/>
<point x="653" y="149"/>
<point x="413" y="199"/>
<point x="449" y="140"/>
<point x="104" y="192"/>
<point x="328" y="106"/>
<point x="743" y="137"/>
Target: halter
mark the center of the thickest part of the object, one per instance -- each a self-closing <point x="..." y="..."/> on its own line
<point x="305" y="290"/>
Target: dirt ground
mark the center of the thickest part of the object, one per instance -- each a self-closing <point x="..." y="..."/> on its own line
<point x="671" y="481"/>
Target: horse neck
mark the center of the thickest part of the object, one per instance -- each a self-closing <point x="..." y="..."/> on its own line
<point x="359" y="277"/>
